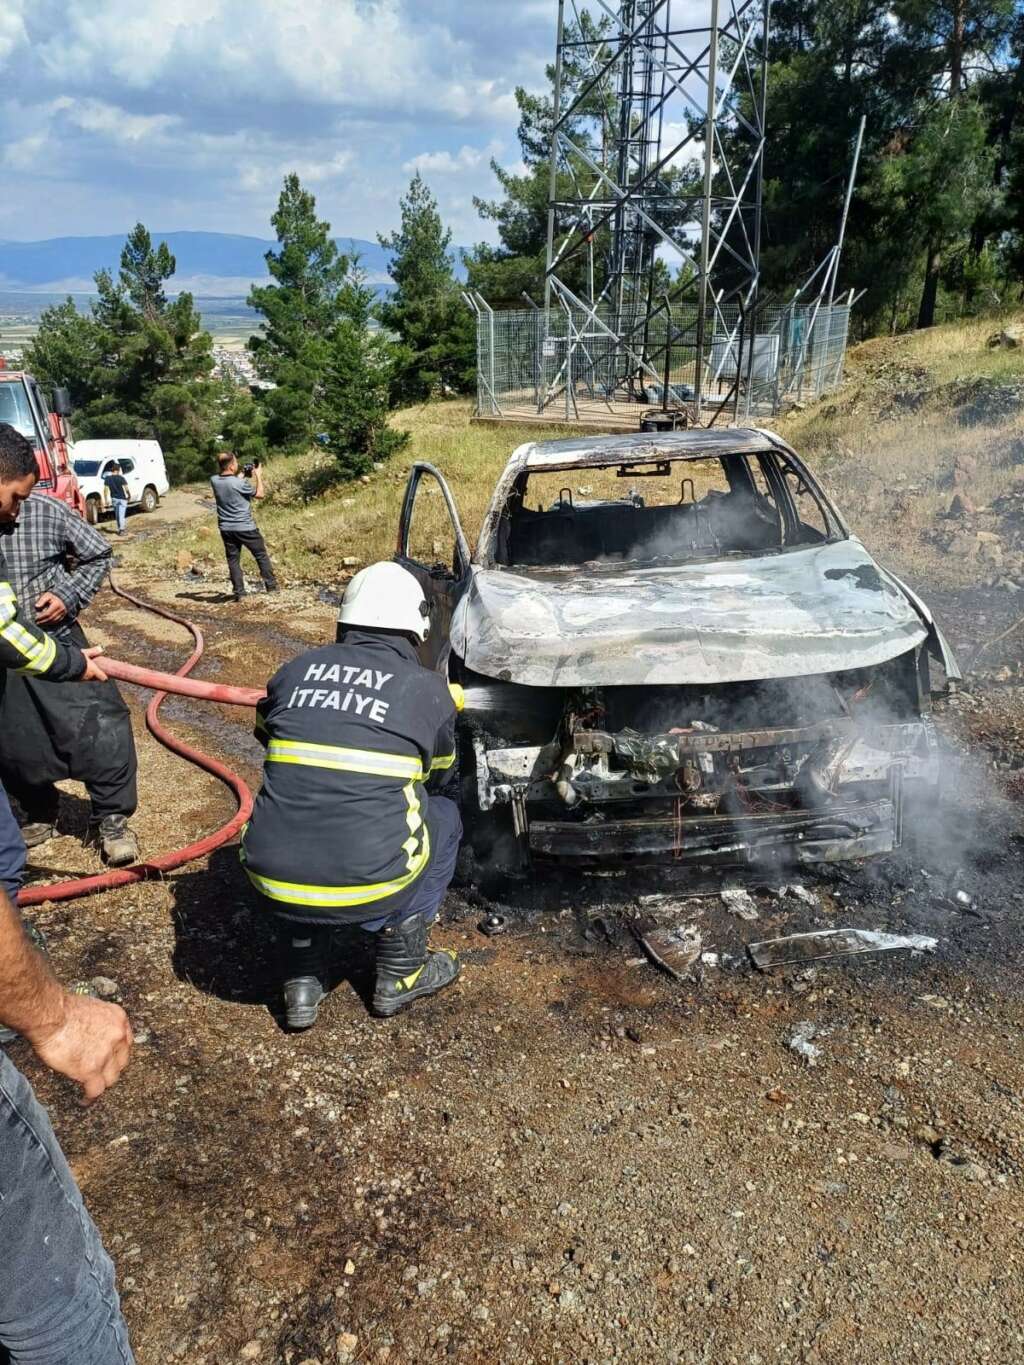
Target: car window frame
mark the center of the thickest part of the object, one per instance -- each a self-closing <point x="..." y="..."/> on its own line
<point x="772" y="462"/>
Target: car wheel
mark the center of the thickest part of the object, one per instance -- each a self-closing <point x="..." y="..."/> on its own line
<point x="92" y="511"/>
<point x="150" y="499"/>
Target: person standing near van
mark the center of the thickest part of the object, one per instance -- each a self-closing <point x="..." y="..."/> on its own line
<point x="117" y="486"/>
<point x="234" y="496"/>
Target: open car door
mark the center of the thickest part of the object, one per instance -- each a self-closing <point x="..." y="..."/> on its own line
<point x="432" y="546"/>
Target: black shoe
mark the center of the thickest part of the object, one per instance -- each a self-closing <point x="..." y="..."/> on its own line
<point x="115" y="840"/>
<point x="271" y="587"/>
<point x="303" y="996"/>
<point x="407" y="970"/>
<point x="37" y="832"/>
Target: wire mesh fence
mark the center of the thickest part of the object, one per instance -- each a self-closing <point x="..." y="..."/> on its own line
<point x="573" y="363"/>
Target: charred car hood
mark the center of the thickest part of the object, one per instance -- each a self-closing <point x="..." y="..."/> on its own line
<point x="816" y="610"/>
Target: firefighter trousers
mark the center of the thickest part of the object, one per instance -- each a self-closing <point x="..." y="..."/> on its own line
<point x="311" y="940"/>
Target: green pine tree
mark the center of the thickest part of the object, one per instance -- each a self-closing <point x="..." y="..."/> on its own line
<point x="301" y="311"/>
<point x="139" y="364"/>
<point x="67" y="350"/>
<point x="517" y="265"/>
<point x="241" y="423"/>
<point x="355" y="393"/>
<point x="437" y="331"/>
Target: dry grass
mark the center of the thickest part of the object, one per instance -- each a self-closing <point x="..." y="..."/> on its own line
<point x="310" y="533"/>
<point x="960" y="350"/>
<point x="887" y="445"/>
<point x="889" y="465"/>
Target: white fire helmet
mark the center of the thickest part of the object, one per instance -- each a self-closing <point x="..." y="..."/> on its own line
<point x="387" y="597"/>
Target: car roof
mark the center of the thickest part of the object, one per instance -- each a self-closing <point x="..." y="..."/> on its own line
<point x="115" y="447"/>
<point x="644" y="446"/>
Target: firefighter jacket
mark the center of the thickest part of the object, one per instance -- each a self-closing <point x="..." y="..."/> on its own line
<point x="340" y="830"/>
<point x="26" y="648"/>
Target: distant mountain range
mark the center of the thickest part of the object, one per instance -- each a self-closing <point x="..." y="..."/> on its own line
<point x="210" y="264"/>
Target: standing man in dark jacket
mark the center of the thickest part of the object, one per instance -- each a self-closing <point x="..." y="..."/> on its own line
<point x="57" y="563"/>
<point x="234" y="496"/>
<point x="344" y="829"/>
<point x="117" y="487"/>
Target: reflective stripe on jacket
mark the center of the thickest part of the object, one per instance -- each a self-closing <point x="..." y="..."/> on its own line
<point x="340" y="828"/>
<point x="26" y="648"/>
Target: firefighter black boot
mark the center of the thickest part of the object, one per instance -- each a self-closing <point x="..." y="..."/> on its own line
<point x="406" y="969"/>
<point x="306" y="966"/>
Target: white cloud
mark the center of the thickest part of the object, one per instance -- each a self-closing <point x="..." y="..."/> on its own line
<point x="12" y="29"/>
<point x="109" y="121"/>
<point x="344" y="53"/>
<point x="316" y="172"/>
<point x="444" y="163"/>
<point x="23" y="153"/>
<point x="189" y="114"/>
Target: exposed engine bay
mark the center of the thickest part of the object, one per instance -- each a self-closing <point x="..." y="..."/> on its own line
<point x="799" y="769"/>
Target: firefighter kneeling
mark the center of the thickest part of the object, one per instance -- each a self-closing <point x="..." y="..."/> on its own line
<point x="343" y="830"/>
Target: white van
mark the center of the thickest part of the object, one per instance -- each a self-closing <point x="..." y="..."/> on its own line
<point x="142" y="464"/>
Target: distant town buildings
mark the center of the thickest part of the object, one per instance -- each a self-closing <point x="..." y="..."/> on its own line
<point x="237" y="367"/>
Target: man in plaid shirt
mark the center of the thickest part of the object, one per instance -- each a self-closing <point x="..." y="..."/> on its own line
<point x="57" y="563"/>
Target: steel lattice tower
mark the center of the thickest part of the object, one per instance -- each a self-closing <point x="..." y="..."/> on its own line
<point x="654" y="220"/>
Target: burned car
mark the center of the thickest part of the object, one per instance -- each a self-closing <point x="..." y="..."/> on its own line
<point x="674" y="650"/>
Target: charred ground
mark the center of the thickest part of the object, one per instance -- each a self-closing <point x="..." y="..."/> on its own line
<point x="571" y="1156"/>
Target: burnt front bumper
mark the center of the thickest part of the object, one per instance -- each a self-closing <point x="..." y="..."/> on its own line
<point x="854" y="830"/>
<point x="592" y="809"/>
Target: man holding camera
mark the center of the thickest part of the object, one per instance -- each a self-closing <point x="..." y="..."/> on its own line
<point x="234" y="494"/>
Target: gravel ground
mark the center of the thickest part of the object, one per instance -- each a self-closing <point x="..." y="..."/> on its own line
<point x="570" y="1156"/>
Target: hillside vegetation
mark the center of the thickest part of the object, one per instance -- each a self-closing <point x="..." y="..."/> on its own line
<point x="926" y="423"/>
<point x="313" y="525"/>
<point x="919" y="419"/>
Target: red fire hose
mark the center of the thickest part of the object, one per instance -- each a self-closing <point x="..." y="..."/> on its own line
<point x="180" y="683"/>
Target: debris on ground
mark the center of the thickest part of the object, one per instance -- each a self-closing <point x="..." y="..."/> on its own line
<point x="801" y="1041"/>
<point x="1006" y="339"/>
<point x="740" y="903"/>
<point x="676" y="950"/>
<point x="776" y="952"/>
<point x="797" y="892"/>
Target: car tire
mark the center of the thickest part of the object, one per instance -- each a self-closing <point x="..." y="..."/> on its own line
<point x="150" y="499"/>
<point x="92" y="511"/>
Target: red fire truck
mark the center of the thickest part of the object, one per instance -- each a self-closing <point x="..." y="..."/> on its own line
<point x="23" y="404"/>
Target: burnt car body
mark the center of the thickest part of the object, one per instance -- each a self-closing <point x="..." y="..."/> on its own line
<point x="714" y="675"/>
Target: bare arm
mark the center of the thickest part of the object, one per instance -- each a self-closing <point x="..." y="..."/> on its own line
<point x="84" y="1039"/>
<point x="257" y="478"/>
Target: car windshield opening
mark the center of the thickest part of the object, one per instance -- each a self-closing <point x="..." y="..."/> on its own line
<point x="17" y="411"/>
<point x="672" y="511"/>
<point x="87" y="469"/>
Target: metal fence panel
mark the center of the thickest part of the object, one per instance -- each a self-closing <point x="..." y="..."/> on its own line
<point x="577" y="363"/>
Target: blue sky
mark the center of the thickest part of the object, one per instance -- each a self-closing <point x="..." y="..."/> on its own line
<point x="187" y="114"/>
